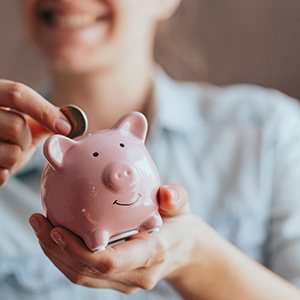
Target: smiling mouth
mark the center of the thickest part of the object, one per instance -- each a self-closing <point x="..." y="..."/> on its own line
<point x="129" y="204"/>
<point x="70" y="21"/>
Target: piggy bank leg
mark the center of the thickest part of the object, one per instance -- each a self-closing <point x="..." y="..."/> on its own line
<point x="153" y="224"/>
<point x="97" y="240"/>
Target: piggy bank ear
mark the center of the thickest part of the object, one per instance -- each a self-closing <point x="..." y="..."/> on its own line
<point x="55" y="148"/>
<point x="135" y="123"/>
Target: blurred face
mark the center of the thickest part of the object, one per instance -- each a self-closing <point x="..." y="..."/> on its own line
<point x="82" y="35"/>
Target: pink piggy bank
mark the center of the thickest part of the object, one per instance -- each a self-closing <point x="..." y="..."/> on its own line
<point x="102" y="186"/>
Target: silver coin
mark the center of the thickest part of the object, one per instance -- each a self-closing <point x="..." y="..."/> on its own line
<point x="77" y="119"/>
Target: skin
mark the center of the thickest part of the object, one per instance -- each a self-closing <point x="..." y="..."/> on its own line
<point x="186" y="252"/>
<point x="107" y="70"/>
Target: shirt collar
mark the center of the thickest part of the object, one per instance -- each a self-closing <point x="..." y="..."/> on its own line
<point x="177" y="105"/>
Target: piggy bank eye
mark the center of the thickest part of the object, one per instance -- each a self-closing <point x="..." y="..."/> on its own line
<point x="95" y="154"/>
<point x="122" y="145"/>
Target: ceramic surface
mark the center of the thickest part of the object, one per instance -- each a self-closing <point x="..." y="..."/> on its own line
<point x="102" y="186"/>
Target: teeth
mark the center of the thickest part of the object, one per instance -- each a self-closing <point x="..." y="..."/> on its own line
<point x="74" y="21"/>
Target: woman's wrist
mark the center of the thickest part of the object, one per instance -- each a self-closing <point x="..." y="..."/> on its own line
<point x="216" y="270"/>
<point x="198" y="266"/>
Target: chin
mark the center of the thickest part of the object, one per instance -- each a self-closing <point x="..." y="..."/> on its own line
<point x="73" y="63"/>
<point x="68" y="66"/>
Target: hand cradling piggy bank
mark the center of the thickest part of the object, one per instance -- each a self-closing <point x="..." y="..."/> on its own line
<point x="102" y="186"/>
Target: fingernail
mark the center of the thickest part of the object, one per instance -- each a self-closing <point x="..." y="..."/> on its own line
<point x="35" y="224"/>
<point x="63" y="126"/>
<point x="173" y="193"/>
<point x="57" y="238"/>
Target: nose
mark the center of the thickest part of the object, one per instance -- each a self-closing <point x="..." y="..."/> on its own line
<point x="120" y="176"/>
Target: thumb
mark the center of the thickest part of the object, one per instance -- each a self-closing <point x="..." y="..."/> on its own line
<point x="38" y="132"/>
<point x="173" y="200"/>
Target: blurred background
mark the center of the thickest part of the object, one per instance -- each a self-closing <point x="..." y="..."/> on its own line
<point x="223" y="42"/>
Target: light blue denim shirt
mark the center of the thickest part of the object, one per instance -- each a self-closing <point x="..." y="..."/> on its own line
<point x="236" y="150"/>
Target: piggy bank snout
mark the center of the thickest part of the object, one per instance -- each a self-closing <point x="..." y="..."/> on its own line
<point x="120" y="176"/>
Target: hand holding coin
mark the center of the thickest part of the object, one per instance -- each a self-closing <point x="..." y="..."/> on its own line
<point x="77" y="118"/>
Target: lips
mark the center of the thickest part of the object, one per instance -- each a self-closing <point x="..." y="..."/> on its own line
<point x="72" y="21"/>
<point x="71" y="17"/>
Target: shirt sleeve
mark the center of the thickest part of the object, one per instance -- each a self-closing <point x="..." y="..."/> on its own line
<point x="283" y="247"/>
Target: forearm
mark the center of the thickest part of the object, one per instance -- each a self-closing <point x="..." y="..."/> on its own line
<point x="219" y="271"/>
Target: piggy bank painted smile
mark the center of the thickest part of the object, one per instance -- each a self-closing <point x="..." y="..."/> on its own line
<point x="102" y="186"/>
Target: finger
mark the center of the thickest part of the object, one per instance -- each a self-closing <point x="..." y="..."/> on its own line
<point x="83" y="275"/>
<point x="24" y="99"/>
<point x="60" y="242"/>
<point x="133" y="254"/>
<point x="65" y="259"/>
<point x="142" y="278"/>
<point x="38" y="132"/>
<point x="4" y="175"/>
<point x="173" y="200"/>
<point x="9" y="155"/>
<point x="81" y="278"/>
<point x="14" y="129"/>
<point x="42" y="228"/>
